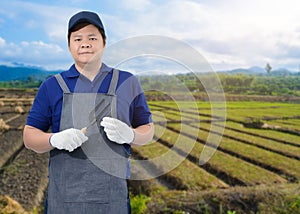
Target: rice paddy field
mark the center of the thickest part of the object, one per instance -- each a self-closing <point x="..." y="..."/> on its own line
<point x="256" y="161"/>
<point x="252" y="164"/>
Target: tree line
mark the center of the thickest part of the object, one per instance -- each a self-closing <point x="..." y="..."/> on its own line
<point x="231" y="83"/>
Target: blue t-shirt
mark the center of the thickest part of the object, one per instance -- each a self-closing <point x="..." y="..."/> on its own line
<point x="132" y="107"/>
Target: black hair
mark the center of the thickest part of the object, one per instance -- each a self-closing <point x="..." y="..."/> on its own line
<point x="82" y="25"/>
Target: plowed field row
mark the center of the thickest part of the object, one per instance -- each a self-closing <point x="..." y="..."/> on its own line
<point x="245" y="156"/>
<point x="278" y="156"/>
<point x="23" y="173"/>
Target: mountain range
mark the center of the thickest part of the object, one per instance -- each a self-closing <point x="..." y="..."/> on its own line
<point x="255" y="70"/>
<point x="23" y="72"/>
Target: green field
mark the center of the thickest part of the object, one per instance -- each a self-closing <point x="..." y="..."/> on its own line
<point x="265" y="157"/>
<point x="253" y="166"/>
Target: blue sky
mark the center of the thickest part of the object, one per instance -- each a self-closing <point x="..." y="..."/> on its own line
<point x="228" y="34"/>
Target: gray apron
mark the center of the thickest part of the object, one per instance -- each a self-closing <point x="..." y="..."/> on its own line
<point x="92" y="178"/>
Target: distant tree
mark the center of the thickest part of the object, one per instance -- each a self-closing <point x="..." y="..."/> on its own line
<point x="145" y="81"/>
<point x="268" y="68"/>
<point x="30" y="79"/>
<point x="157" y="85"/>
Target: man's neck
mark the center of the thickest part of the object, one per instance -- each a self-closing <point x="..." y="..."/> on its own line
<point x="90" y="71"/>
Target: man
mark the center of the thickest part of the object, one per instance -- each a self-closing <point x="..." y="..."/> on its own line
<point x="96" y="113"/>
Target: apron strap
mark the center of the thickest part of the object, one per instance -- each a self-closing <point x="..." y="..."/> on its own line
<point x="111" y="90"/>
<point x="113" y="83"/>
<point x="62" y="83"/>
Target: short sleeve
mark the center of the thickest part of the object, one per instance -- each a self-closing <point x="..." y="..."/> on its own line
<point x="139" y="110"/>
<point x="132" y="105"/>
<point x="40" y="113"/>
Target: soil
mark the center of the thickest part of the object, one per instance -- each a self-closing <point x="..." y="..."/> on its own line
<point x="23" y="174"/>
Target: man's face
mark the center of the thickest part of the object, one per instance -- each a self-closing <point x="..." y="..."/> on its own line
<point x="86" y="45"/>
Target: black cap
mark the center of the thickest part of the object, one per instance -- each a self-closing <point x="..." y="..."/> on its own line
<point x="85" y="16"/>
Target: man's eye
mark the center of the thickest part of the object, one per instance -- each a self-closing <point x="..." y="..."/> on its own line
<point x="93" y="39"/>
<point x="77" y="40"/>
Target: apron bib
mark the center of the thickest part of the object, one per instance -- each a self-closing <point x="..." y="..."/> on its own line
<point x="92" y="178"/>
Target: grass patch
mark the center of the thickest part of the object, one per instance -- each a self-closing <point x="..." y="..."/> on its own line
<point x="139" y="203"/>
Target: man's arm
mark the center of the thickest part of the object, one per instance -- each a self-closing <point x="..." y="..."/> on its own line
<point x="36" y="140"/>
<point x="41" y="142"/>
<point x="143" y="134"/>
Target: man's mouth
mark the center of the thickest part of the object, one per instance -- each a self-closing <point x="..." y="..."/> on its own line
<point x="83" y="53"/>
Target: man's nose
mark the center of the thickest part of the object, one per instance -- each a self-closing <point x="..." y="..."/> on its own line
<point x="86" y="45"/>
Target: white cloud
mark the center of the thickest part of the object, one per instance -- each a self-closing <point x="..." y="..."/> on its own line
<point x="137" y="5"/>
<point x="253" y="30"/>
<point x="2" y="42"/>
<point x="34" y="53"/>
<point x="167" y="54"/>
<point x="174" y="18"/>
<point x="52" y="20"/>
<point x="229" y="33"/>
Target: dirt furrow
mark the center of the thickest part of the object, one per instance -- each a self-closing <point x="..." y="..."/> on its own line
<point x="25" y="179"/>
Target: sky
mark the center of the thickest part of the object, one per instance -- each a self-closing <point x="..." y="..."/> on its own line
<point x="226" y="34"/>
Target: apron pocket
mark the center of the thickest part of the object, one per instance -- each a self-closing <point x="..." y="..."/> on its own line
<point x="85" y="182"/>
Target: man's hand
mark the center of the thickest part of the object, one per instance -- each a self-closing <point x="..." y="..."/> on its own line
<point x="117" y="131"/>
<point x="68" y="139"/>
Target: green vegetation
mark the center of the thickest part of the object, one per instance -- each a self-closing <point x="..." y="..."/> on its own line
<point x="240" y="83"/>
<point x="29" y="83"/>
<point x="231" y="83"/>
<point x="274" y="135"/>
<point x="186" y="174"/>
<point x="244" y="145"/>
<point x="264" y="158"/>
<point x="139" y="203"/>
<point x="242" y="135"/>
<point x="254" y="170"/>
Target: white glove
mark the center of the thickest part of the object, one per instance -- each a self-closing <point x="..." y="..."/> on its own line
<point x="117" y="131"/>
<point x="68" y="139"/>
